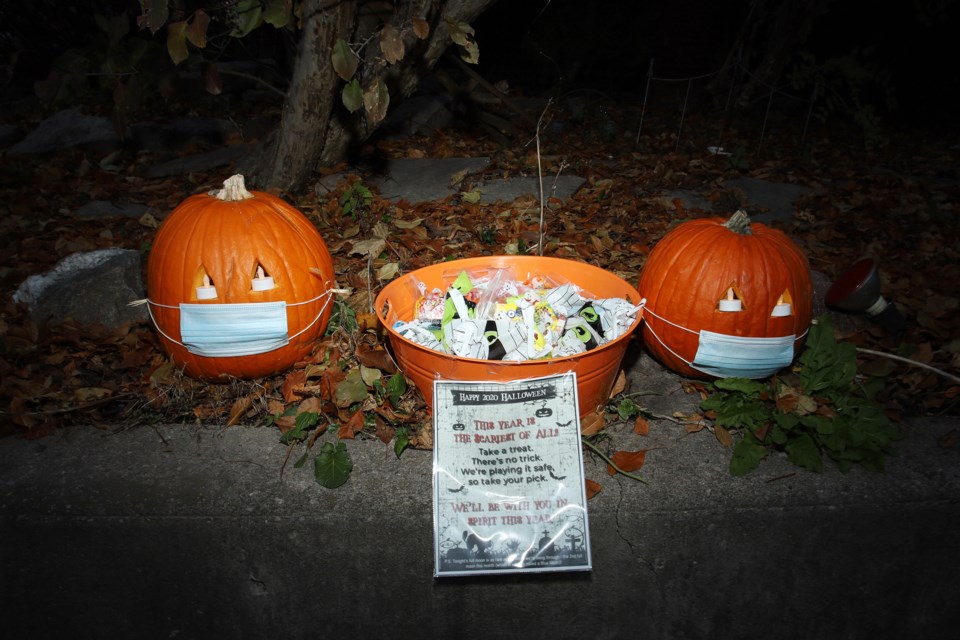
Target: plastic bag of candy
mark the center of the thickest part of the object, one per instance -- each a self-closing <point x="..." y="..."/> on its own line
<point x="490" y="315"/>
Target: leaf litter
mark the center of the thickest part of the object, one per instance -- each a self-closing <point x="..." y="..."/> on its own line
<point x="897" y="206"/>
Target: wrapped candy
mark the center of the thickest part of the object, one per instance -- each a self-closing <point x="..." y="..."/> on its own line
<point x="429" y="307"/>
<point x="492" y="316"/>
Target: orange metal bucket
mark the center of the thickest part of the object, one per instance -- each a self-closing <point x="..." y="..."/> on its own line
<point x="596" y="369"/>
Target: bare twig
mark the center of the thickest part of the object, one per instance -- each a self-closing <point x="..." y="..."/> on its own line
<point x="610" y="462"/>
<point x="540" y="175"/>
<point x="910" y="362"/>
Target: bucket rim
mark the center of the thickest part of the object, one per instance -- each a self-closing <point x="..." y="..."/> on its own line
<point x="496" y="261"/>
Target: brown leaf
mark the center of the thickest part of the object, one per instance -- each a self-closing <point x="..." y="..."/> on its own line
<point x="310" y="405"/>
<point x="293" y="380"/>
<point x="421" y="28"/>
<point x="592" y="423"/>
<point x="164" y="375"/>
<point x="21" y="414"/>
<point x="723" y="436"/>
<point x="593" y="488"/>
<point x="391" y="44"/>
<point x="239" y="409"/>
<point x="285" y="423"/>
<point x="628" y="461"/>
<point x="641" y="426"/>
<point x="351" y="427"/>
<point x="384" y="431"/>
<point x="377" y="359"/>
<point x="368" y="322"/>
<point x="619" y="384"/>
<point x="694" y="427"/>
<point x="197" y="30"/>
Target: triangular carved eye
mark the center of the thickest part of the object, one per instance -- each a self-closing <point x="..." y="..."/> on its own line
<point x="784" y="306"/>
<point x="731" y="301"/>
<point x="206" y="290"/>
<point x="262" y="281"/>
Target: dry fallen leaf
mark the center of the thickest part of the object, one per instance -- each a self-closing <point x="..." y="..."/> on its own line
<point x="723" y="436"/>
<point x="593" y="488"/>
<point x="239" y="409"/>
<point x="641" y="426"/>
<point x="619" y="385"/>
<point x="628" y="461"/>
<point x="592" y="423"/>
<point x="351" y="427"/>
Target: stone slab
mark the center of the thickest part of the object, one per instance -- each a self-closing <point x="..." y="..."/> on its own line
<point x="423" y="179"/>
<point x="174" y="530"/>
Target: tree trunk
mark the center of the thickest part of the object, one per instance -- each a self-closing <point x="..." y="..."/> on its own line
<point x="315" y="128"/>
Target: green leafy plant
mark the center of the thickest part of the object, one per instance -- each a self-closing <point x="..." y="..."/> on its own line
<point x="822" y="409"/>
<point x="333" y="465"/>
<point x="356" y="200"/>
<point x="487" y="235"/>
<point x="343" y="317"/>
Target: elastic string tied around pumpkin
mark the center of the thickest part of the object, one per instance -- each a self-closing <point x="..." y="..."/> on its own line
<point x="647" y="310"/>
<point x="328" y="294"/>
<point x="739" y="222"/>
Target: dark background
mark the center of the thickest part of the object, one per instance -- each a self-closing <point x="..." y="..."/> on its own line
<point x="536" y="45"/>
<point x="546" y="47"/>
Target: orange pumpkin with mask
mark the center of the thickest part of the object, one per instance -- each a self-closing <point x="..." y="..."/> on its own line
<point x="726" y="298"/>
<point x="239" y="284"/>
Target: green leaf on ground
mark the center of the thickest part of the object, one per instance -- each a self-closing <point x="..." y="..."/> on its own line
<point x="333" y="465"/>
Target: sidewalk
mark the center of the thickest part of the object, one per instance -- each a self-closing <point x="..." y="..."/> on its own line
<point x="177" y="531"/>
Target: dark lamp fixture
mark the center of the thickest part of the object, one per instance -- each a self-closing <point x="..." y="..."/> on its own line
<point x="857" y="290"/>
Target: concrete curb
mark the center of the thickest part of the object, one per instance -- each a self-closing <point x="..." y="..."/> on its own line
<point x="189" y="532"/>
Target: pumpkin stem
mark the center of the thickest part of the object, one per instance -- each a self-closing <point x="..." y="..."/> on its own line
<point x="233" y="190"/>
<point x="739" y="223"/>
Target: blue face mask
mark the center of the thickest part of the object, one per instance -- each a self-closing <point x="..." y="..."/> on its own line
<point x="240" y="329"/>
<point x="235" y="329"/>
<point x="726" y="356"/>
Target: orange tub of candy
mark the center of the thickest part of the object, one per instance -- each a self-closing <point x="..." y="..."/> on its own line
<point x="596" y="368"/>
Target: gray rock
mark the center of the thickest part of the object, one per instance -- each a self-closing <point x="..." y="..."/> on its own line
<point x="690" y="199"/>
<point x="91" y="287"/>
<point x="66" y="129"/>
<point x="509" y="189"/>
<point x="776" y="199"/>
<point x="424" y="179"/>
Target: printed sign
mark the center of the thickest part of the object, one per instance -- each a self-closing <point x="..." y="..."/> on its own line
<point x="508" y="488"/>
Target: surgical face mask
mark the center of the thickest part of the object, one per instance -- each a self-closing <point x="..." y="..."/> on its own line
<point x="235" y="329"/>
<point x="726" y="356"/>
<point x="241" y="329"/>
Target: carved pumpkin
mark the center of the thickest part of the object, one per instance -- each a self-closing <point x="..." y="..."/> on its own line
<point x="214" y="260"/>
<point x="730" y="282"/>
